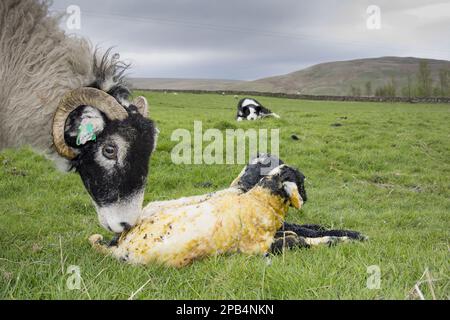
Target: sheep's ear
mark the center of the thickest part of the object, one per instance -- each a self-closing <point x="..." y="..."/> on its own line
<point x="142" y="105"/>
<point x="294" y="196"/>
<point x="83" y="124"/>
<point x="238" y="178"/>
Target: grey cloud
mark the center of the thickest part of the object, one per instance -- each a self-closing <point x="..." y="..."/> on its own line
<point x="257" y="38"/>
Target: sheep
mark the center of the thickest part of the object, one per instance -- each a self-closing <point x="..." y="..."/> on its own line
<point x="247" y="217"/>
<point x="289" y="235"/>
<point x="71" y="103"/>
<point x="225" y="222"/>
<point x="250" y="109"/>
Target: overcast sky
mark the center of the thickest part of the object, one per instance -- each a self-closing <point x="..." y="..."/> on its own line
<point x="239" y="39"/>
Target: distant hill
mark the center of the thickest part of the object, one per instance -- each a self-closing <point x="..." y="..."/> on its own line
<point x="331" y="78"/>
<point x="182" y="84"/>
<point x="337" y="78"/>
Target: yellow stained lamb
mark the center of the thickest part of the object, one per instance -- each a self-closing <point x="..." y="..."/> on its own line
<point x="176" y="232"/>
<point x="247" y="217"/>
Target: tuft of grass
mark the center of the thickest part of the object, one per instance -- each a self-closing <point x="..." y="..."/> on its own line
<point x="223" y="125"/>
<point x="384" y="172"/>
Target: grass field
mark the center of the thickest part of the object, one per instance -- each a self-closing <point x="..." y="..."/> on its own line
<point x="384" y="172"/>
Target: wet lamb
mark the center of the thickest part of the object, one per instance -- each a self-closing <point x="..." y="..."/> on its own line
<point x="223" y="222"/>
<point x="247" y="217"/>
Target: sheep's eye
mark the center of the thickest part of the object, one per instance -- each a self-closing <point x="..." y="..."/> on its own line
<point x="110" y="151"/>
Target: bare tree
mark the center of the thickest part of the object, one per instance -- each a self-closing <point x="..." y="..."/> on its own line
<point x="443" y="79"/>
<point x="355" y="91"/>
<point x="393" y="87"/>
<point x="368" y="88"/>
<point x="410" y="86"/>
<point x="387" y="90"/>
<point x="424" y="80"/>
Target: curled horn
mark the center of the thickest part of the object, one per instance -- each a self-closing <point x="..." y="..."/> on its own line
<point x="72" y="100"/>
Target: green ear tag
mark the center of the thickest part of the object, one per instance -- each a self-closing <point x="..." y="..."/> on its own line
<point x="85" y="133"/>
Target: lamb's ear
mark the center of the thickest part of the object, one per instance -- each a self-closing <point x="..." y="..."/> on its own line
<point x="294" y="196"/>
<point x="83" y="124"/>
<point x="236" y="181"/>
<point x="142" y="105"/>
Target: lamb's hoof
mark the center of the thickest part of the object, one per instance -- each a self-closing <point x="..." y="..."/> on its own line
<point x="363" y="237"/>
<point x="356" y="236"/>
<point x="332" y="241"/>
<point x="302" y="243"/>
<point x="95" y="239"/>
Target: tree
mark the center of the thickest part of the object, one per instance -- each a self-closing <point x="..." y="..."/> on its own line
<point x="409" y="89"/>
<point x="444" y="82"/>
<point x="388" y="90"/>
<point x="424" y="80"/>
<point x="368" y="88"/>
<point x="379" y="92"/>
<point x="405" y="92"/>
<point x="355" y="91"/>
<point x="393" y="87"/>
<point x="410" y="92"/>
<point x="382" y="91"/>
<point x="436" y="91"/>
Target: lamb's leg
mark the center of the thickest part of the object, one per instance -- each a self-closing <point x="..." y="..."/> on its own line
<point x="290" y="240"/>
<point x="108" y="247"/>
<point x="97" y="242"/>
<point x="328" y="240"/>
<point x="316" y="231"/>
<point x="287" y="240"/>
<point x="316" y="235"/>
<point x="272" y="114"/>
<point x="275" y="115"/>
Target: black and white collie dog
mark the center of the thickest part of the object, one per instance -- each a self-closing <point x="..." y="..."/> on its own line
<point x="250" y="109"/>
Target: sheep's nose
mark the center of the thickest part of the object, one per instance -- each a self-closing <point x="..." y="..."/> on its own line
<point x="126" y="226"/>
<point x="122" y="215"/>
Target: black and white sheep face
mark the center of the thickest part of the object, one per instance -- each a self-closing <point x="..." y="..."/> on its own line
<point x="286" y="182"/>
<point x="271" y="172"/>
<point x="114" y="165"/>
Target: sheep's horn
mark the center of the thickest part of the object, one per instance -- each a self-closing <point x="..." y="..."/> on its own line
<point x="72" y="100"/>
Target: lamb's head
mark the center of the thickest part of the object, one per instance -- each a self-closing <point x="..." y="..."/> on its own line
<point x="287" y="182"/>
<point x="258" y="167"/>
<point x="109" y="144"/>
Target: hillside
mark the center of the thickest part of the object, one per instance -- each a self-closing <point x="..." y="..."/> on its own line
<point x="331" y="78"/>
<point x="337" y="78"/>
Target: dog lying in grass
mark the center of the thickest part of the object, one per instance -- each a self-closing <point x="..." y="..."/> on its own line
<point x="247" y="217"/>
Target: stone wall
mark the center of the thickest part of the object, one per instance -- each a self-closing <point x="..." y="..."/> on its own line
<point x="312" y="97"/>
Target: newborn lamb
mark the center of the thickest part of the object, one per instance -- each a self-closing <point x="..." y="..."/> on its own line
<point x="177" y="232"/>
<point x="247" y="217"/>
